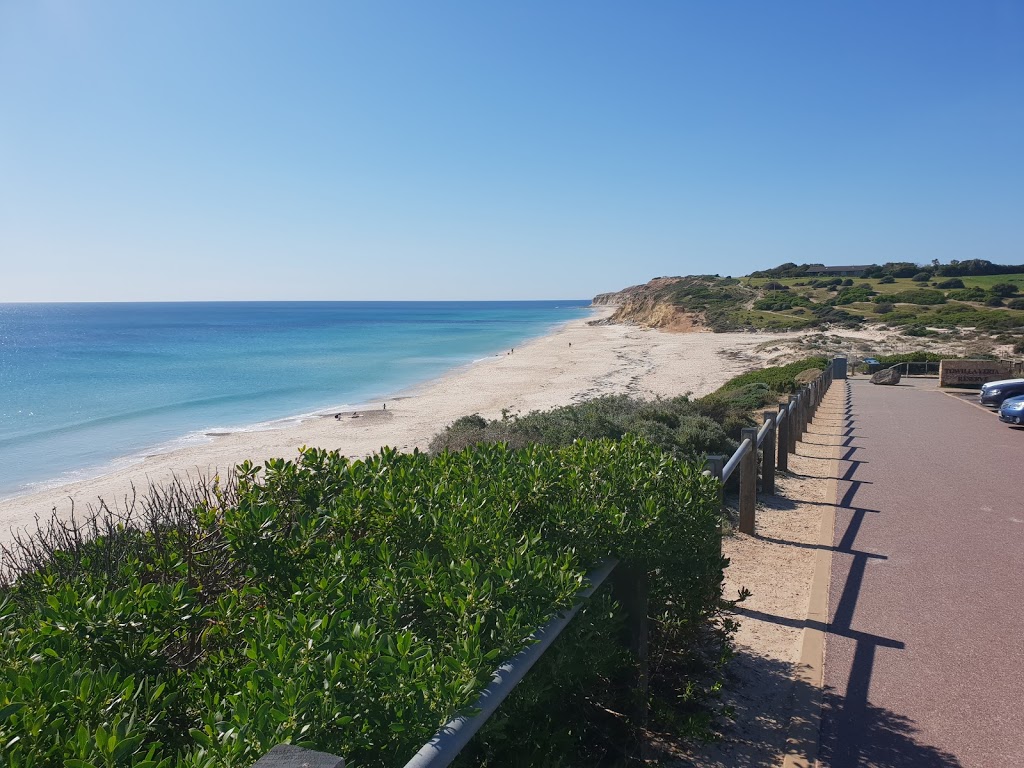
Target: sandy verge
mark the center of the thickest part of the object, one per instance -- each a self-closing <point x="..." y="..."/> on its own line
<point x="576" y="362"/>
<point x="777" y="566"/>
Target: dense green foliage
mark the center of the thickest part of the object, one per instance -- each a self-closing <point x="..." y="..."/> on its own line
<point x="922" y="297"/>
<point x="851" y="295"/>
<point x="688" y="428"/>
<point x="778" y="379"/>
<point x="348" y="606"/>
<point x="780" y="302"/>
<point x="967" y="294"/>
<point x="907" y="269"/>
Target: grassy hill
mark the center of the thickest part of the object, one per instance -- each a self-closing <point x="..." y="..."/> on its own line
<point x="989" y="303"/>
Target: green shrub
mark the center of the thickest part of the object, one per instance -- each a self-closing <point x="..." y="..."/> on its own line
<point x="923" y="296"/>
<point x="1004" y="289"/>
<point x="851" y="295"/>
<point x="993" y="301"/>
<point x="1015" y="304"/>
<point x="781" y="302"/>
<point x="832" y="315"/>
<point x="922" y="277"/>
<point x="677" y="425"/>
<point x="887" y="280"/>
<point x="953" y="282"/>
<point x="967" y="294"/>
<point x="884" y="307"/>
<point x="780" y="379"/>
<point x="351" y="607"/>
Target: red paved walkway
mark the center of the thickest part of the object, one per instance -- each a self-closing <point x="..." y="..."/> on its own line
<point x="924" y="660"/>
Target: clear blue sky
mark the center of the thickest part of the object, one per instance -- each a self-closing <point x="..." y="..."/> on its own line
<point x="462" y="150"/>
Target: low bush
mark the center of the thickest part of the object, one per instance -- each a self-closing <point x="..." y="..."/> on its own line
<point x="953" y="282"/>
<point x="924" y="296"/>
<point x="1004" y="289"/>
<point x="1015" y="304"/>
<point x="967" y="294"/>
<point x="350" y="607"/>
<point x="835" y="316"/>
<point x="887" y="279"/>
<point x="884" y="307"/>
<point x="852" y="294"/>
<point x="780" y="379"/>
<point x="922" y="277"/>
<point x="781" y="302"/>
<point x="685" y="427"/>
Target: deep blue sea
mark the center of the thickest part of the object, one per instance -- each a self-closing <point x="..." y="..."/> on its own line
<point x="84" y="385"/>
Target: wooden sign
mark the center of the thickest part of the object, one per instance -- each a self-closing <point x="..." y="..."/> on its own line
<point x="972" y="373"/>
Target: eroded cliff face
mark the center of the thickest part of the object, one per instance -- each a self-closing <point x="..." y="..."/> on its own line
<point x="647" y="305"/>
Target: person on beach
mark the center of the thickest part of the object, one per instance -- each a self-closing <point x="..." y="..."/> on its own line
<point x="385" y="406"/>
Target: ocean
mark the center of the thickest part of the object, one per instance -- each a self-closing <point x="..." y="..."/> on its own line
<point x="86" y="386"/>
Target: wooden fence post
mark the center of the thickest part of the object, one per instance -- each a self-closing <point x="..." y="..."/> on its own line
<point x="768" y="455"/>
<point x="801" y="408"/>
<point x="748" y="481"/>
<point x="782" y="439"/>
<point x="793" y="420"/>
<point x="805" y="417"/>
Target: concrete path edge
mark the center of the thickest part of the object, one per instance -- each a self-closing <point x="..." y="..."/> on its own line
<point x="803" y="735"/>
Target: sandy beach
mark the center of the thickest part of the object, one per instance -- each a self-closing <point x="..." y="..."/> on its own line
<point x="576" y="362"/>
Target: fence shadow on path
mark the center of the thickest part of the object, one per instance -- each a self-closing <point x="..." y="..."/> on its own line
<point x="767" y="689"/>
<point x="854" y="732"/>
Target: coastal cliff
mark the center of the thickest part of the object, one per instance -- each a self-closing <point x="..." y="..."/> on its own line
<point x="671" y="303"/>
<point x="650" y="306"/>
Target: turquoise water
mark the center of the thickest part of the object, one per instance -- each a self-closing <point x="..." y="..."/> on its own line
<point x="82" y="385"/>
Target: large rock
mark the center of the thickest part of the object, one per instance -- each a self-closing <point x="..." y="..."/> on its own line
<point x="886" y="376"/>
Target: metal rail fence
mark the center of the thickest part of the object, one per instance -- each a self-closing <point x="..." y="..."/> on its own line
<point x="773" y="441"/>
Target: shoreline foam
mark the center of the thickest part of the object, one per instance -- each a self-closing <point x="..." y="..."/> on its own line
<point x="544" y="373"/>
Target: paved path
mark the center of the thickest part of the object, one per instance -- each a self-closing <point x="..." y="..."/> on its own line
<point x="924" y="657"/>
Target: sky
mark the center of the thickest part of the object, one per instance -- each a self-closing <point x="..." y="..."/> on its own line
<point x="370" y="150"/>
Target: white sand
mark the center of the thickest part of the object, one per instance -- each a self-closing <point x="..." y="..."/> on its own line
<point x="544" y="373"/>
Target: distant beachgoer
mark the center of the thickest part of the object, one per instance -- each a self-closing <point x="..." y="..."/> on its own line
<point x="385" y="406"/>
<point x="570" y="343"/>
<point x="513" y="350"/>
